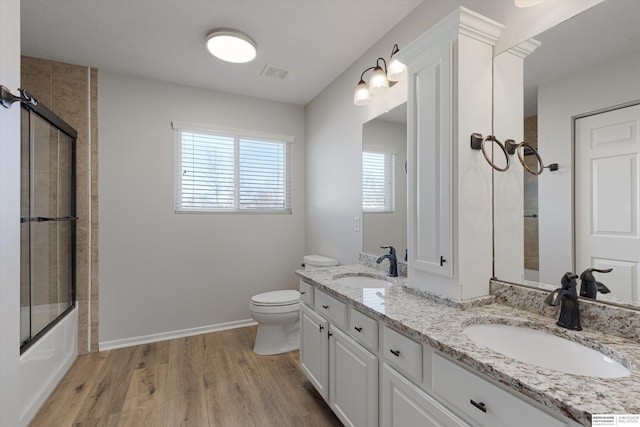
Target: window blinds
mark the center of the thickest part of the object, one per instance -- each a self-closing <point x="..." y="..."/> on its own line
<point x="378" y="181"/>
<point x="218" y="172"/>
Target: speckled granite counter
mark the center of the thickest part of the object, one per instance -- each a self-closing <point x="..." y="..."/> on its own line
<point x="441" y="327"/>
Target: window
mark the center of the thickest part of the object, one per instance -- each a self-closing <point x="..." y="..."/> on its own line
<point x="378" y="180"/>
<point x="222" y="170"/>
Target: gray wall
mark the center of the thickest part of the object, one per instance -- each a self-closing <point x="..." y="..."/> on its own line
<point x="161" y="271"/>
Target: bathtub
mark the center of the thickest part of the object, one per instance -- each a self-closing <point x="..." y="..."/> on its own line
<point x="43" y="365"/>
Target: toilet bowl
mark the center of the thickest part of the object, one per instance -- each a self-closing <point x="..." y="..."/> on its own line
<point x="278" y="317"/>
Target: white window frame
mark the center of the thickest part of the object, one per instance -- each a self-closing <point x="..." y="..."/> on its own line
<point x="389" y="189"/>
<point x="238" y="135"/>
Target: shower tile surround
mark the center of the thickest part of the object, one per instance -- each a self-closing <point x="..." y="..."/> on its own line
<point x="420" y="316"/>
<point x="71" y="91"/>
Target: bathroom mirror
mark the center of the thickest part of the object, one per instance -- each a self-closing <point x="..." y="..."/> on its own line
<point x="585" y="66"/>
<point x="384" y="182"/>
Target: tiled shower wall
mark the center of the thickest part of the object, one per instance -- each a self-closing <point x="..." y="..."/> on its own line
<point x="71" y="92"/>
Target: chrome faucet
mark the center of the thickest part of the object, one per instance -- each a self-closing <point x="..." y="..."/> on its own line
<point x="393" y="261"/>
<point x="567" y="298"/>
<point x="589" y="287"/>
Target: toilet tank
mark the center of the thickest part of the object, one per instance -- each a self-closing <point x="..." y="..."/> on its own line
<point x="315" y="261"/>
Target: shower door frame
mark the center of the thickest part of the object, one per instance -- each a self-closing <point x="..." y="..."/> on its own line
<point x="54" y="120"/>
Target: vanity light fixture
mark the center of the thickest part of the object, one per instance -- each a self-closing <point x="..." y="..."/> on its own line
<point x="381" y="78"/>
<point x="231" y="45"/>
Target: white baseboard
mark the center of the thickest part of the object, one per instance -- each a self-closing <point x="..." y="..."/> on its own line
<point x="163" y="336"/>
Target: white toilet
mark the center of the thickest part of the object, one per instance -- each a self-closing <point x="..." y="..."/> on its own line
<point x="278" y="315"/>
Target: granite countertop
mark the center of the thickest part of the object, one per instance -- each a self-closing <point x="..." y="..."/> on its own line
<point x="441" y="327"/>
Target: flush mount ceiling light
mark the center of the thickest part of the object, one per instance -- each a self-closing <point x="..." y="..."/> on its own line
<point x="527" y="3"/>
<point x="381" y="78"/>
<point x="231" y="45"/>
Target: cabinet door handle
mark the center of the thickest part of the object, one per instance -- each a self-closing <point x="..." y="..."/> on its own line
<point x="302" y="292"/>
<point x="479" y="405"/>
<point x="442" y="261"/>
<point x="395" y="352"/>
<point x="320" y="328"/>
<point x="357" y="328"/>
<point x="326" y="307"/>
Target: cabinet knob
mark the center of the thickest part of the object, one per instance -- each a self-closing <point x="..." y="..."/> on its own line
<point x="395" y="352"/>
<point x="479" y="405"/>
<point x="302" y="292"/>
<point x="326" y="307"/>
<point x="357" y="328"/>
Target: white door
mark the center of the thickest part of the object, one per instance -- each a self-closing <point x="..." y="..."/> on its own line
<point x="314" y="349"/>
<point x="607" y="148"/>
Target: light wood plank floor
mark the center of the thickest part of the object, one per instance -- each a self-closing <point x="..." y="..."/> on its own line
<point x="206" y="380"/>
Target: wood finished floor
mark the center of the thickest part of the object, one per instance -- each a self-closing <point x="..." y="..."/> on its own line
<point x="206" y="380"/>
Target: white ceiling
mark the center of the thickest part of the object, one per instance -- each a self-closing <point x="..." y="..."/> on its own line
<point x="164" y="39"/>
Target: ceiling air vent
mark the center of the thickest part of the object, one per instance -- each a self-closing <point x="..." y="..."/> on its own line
<point x="275" y="71"/>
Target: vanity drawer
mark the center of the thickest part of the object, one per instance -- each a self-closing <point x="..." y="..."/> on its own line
<point x="306" y="292"/>
<point x="330" y="307"/>
<point x="483" y="402"/>
<point x="363" y="328"/>
<point x="402" y="352"/>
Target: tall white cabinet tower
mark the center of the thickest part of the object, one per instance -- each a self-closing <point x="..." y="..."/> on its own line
<point x="449" y="184"/>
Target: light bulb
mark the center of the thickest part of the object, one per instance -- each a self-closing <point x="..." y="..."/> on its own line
<point x="397" y="71"/>
<point x="378" y="82"/>
<point x="362" y="96"/>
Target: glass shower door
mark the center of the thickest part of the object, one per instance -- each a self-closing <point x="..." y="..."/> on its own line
<point x="48" y="225"/>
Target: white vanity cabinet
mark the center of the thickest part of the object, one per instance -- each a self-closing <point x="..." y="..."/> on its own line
<point x="404" y="404"/>
<point x="407" y="365"/>
<point x="314" y="349"/>
<point x="344" y="372"/>
<point x="371" y="374"/>
<point x="483" y="403"/>
<point x="353" y="381"/>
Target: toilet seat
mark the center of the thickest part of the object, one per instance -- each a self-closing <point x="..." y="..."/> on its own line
<point x="274" y="309"/>
<point x="276" y="302"/>
<point x="276" y="298"/>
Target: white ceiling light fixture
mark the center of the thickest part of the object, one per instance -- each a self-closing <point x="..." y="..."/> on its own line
<point x="231" y="45"/>
<point x="527" y="3"/>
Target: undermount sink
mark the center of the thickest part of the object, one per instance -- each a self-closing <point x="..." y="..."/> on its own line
<point x="362" y="281"/>
<point x="546" y="350"/>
